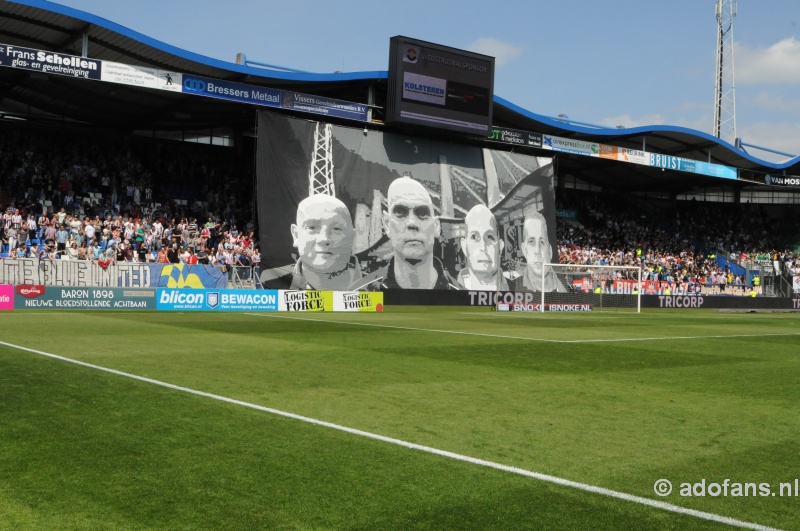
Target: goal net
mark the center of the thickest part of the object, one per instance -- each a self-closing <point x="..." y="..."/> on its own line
<point x="572" y="288"/>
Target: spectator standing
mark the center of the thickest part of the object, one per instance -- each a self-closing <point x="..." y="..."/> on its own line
<point x="23" y="235"/>
<point x="61" y="237"/>
<point x="32" y="226"/>
<point x="41" y="225"/>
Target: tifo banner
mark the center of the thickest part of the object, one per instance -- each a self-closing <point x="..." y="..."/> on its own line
<point x="6" y="297"/>
<point x="56" y="298"/>
<point x="85" y="273"/>
<point x="796" y="283"/>
<point x="388" y="211"/>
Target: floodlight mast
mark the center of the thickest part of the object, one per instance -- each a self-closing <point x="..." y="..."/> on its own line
<point x="725" y="93"/>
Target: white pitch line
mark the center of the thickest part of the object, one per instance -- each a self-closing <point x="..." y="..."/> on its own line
<point x="413" y="446"/>
<point x="521" y="338"/>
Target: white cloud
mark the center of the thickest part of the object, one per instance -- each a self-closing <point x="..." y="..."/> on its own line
<point x="780" y="63"/>
<point x="502" y="52"/>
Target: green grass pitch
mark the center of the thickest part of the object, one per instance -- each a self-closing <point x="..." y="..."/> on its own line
<point x="609" y="400"/>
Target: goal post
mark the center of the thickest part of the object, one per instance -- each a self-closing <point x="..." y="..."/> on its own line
<point x="576" y="287"/>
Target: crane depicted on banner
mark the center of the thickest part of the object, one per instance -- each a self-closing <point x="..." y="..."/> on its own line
<point x="320" y="174"/>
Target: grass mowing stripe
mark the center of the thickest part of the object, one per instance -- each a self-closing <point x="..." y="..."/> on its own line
<point x="732" y="336"/>
<point x="498" y="336"/>
<point x="427" y="449"/>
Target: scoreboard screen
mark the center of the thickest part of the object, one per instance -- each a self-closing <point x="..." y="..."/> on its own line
<point x="437" y="86"/>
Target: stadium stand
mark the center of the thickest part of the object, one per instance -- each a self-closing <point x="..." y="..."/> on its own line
<point x="140" y="165"/>
<point x="121" y="187"/>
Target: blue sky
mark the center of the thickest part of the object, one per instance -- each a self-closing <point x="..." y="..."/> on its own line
<point x="615" y="62"/>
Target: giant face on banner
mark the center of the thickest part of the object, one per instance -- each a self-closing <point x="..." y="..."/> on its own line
<point x="344" y="209"/>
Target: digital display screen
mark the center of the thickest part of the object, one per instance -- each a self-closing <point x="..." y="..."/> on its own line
<point x="437" y="86"/>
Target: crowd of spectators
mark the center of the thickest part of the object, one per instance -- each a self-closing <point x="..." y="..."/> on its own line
<point x="84" y="197"/>
<point x="121" y="198"/>
<point x="678" y="244"/>
<point x="110" y="238"/>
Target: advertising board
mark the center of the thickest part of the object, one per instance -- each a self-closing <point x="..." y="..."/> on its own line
<point x="41" y="297"/>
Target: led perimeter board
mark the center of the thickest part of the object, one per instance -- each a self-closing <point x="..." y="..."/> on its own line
<point x="437" y="86"/>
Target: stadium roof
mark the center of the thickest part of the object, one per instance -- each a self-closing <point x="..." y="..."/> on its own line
<point x="47" y="26"/>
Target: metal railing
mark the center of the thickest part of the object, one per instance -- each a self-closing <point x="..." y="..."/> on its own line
<point x="242" y="277"/>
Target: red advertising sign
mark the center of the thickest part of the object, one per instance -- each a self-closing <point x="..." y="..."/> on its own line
<point x="30" y="291"/>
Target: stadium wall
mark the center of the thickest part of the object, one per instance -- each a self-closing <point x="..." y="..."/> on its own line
<point x="488" y="299"/>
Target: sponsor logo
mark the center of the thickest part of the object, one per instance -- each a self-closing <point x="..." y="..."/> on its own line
<point x="303" y="301"/>
<point x="506" y="135"/>
<point x="249" y="299"/>
<point x="30" y="291"/>
<point x="181" y="297"/>
<point x="635" y="153"/>
<point x="665" y="162"/>
<point x="213" y="299"/>
<point x="537" y="307"/>
<point x="535" y="140"/>
<point x="194" y="85"/>
<point x="411" y="55"/>
<point x="781" y="181"/>
<point x="491" y="298"/>
<point x="514" y="136"/>
<point x="416" y="87"/>
<point x="568" y="307"/>
<point x="357" y="301"/>
<point x="608" y="151"/>
<point x="678" y="301"/>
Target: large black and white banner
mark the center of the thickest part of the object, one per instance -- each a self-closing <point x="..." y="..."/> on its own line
<point x="347" y="209"/>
